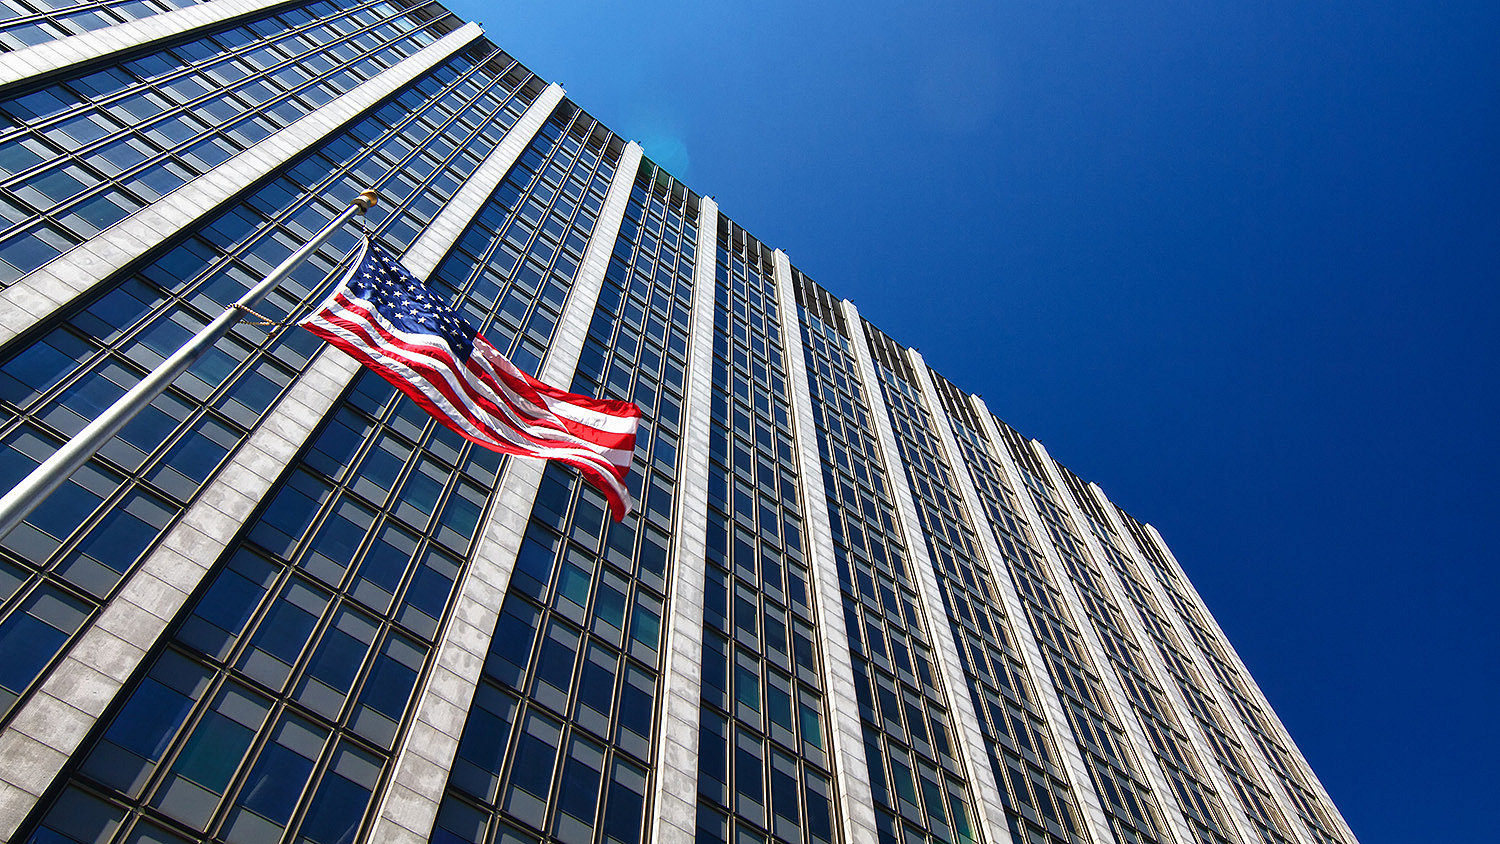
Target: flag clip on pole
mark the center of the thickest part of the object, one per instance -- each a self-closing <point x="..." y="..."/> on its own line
<point x="17" y="504"/>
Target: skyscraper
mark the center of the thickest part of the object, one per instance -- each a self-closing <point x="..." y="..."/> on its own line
<point x="853" y="605"/>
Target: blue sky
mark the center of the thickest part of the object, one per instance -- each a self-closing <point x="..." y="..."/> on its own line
<point x="1237" y="265"/>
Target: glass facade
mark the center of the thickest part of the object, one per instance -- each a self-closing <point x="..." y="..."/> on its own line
<point x="1073" y="670"/>
<point x="764" y="770"/>
<point x="1117" y="774"/>
<point x="1022" y="752"/>
<point x="278" y="692"/>
<point x="24" y="23"/>
<point x="560" y="737"/>
<point x="75" y="552"/>
<point x="84" y="152"/>
<point x="918" y="783"/>
<point x="1270" y="825"/>
<point x="1314" y="813"/>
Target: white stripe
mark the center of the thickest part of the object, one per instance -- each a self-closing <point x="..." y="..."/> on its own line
<point x="584" y="454"/>
<point x="489" y="357"/>
<point x="596" y="419"/>
<point x="387" y="356"/>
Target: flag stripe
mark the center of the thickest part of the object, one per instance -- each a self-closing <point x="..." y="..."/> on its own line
<point x="609" y="421"/>
<point x="414" y="363"/>
<point x="436" y="362"/>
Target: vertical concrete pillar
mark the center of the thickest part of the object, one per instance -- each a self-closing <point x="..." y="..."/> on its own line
<point x="846" y="736"/>
<point x="1273" y="784"/>
<point x="676" y="814"/>
<point x="1166" y="797"/>
<point x="58" y="54"/>
<point x="1093" y="819"/>
<point x="1057" y="575"/>
<point x="971" y="752"/>
<point x="1195" y="732"/>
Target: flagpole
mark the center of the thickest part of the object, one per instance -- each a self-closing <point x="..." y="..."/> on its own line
<point x="46" y="478"/>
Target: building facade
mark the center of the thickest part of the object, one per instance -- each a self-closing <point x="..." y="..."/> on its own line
<point x="284" y="605"/>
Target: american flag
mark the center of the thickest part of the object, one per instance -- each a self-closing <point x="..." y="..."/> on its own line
<point x="393" y="324"/>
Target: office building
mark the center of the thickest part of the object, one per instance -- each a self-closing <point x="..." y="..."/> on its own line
<point x="284" y="605"/>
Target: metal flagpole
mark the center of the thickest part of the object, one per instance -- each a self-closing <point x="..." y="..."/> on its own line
<point x="44" y="479"/>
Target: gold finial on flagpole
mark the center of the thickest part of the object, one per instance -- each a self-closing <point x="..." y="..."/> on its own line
<point x="366" y="201"/>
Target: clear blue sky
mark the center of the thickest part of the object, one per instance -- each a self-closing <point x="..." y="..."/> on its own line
<point x="1236" y="262"/>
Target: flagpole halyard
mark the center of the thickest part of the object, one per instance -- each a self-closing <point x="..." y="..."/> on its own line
<point x="17" y="504"/>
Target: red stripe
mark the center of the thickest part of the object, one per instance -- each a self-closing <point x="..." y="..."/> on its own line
<point x="598" y="436"/>
<point x="574" y="453"/>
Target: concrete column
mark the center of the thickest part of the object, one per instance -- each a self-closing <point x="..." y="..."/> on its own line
<point x="971" y="752"/>
<point x="1179" y="703"/>
<point x="1150" y="765"/>
<point x="38" y="294"/>
<point x="409" y="806"/>
<point x="50" y="727"/>
<point x="846" y="736"/>
<point x="1258" y="697"/>
<point x="50" y="56"/>
<point x="675" y="818"/>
